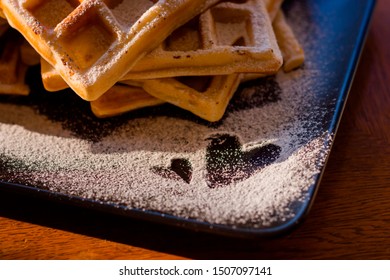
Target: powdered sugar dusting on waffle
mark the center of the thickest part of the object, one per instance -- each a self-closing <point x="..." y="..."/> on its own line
<point x="255" y="49"/>
<point x="127" y="13"/>
<point x="64" y="35"/>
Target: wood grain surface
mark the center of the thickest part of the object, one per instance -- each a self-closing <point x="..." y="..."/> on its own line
<point x="350" y="218"/>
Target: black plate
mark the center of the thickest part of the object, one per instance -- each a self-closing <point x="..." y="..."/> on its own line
<point x="254" y="173"/>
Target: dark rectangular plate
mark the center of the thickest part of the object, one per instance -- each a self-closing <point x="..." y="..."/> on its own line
<point x="253" y="174"/>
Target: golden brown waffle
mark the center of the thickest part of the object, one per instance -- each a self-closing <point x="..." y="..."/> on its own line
<point x="292" y="51"/>
<point x="121" y="99"/>
<point x="117" y="100"/>
<point x="204" y="96"/>
<point x="273" y="7"/>
<point x="51" y="80"/>
<point x="12" y="71"/>
<point x="93" y="43"/>
<point x="206" y="99"/>
<point x="231" y="37"/>
<point x="183" y="38"/>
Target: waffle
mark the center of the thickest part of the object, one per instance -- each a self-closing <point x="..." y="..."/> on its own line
<point x="230" y="37"/>
<point x="1" y="12"/>
<point x="183" y="38"/>
<point x="12" y="71"/>
<point x="93" y="43"/>
<point x="210" y="102"/>
<point x="273" y="7"/>
<point x="207" y="96"/>
<point x="292" y="51"/>
<point x="204" y="96"/>
<point x="51" y="80"/>
<point x="121" y="99"/>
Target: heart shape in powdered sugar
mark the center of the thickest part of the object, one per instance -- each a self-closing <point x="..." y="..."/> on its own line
<point x="180" y="168"/>
<point x="227" y="161"/>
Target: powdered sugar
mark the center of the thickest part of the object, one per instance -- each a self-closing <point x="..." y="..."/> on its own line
<point x="128" y="12"/>
<point x="120" y="167"/>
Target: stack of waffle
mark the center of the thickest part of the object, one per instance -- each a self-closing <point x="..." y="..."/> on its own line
<point x="121" y="55"/>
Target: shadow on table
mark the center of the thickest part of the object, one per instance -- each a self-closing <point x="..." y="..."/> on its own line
<point x="152" y="236"/>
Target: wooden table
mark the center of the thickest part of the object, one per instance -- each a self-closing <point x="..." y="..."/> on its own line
<point x="350" y="218"/>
